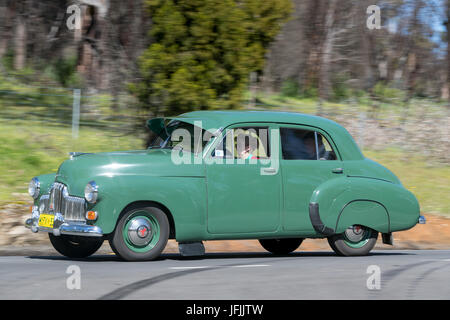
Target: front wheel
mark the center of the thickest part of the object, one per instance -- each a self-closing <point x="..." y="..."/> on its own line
<point x="75" y="247"/>
<point x="355" y="241"/>
<point x="281" y="246"/>
<point x="141" y="234"/>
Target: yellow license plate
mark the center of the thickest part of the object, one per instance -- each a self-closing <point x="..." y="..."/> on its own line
<point x="46" y="220"/>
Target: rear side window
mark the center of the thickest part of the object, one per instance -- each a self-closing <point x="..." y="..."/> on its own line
<point x="300" y="144"/>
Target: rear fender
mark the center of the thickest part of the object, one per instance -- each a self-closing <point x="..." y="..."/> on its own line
<point x="377" y="204"/>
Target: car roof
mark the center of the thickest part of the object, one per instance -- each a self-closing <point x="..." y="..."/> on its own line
<point x="227" y="117"/>
<point x="216" y="119"/>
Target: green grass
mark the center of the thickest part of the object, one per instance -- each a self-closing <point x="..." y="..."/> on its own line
<point x="429" y="183"/>
<point x="391" y="109"/>
<point x="30" y="148"/>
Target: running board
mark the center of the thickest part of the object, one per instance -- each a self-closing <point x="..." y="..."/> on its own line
<point x="191" y="249"/>
<point x="388" y="238"/>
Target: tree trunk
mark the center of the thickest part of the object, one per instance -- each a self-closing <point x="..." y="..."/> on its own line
<point x="20" y="43"/>
<point x="5" y="27"/>
<point x="326" y="52"/>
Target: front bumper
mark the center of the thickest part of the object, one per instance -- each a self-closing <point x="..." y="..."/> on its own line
<point x="64" y="227"/>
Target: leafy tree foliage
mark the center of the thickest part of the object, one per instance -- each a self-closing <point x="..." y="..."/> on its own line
<point x="203" y="52"/>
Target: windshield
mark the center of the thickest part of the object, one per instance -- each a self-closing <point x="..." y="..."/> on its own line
<point x="177" y="134"/>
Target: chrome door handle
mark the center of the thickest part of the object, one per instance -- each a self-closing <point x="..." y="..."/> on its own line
<point x="269" y="171"/>
<point x="338" y="170"/>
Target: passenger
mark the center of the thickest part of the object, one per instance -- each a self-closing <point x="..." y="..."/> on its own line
<point x="292" y="142"/>
<point x="245" y="150"/>
<point x="309" y="142"/>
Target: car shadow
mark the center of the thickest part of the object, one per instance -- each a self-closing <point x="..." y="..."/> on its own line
<point x="249" y="255"/>
<point x="217" y="255"/>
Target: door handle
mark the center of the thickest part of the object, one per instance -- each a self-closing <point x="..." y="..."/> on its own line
<point x="269" y="171"/>
<point x="338" y="170"/>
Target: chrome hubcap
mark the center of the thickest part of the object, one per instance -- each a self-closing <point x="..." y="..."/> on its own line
<point x="140" y="232"/>
<point x="355" y="233"/>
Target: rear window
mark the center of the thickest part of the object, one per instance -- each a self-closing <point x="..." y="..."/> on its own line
<point x="300" y="144"/>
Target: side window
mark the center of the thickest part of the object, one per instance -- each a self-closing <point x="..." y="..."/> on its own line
<point x="300" y="144"/>
<point x="224" y="148"/>
<point x="244" y="143"/>
<point x="325" y="150"/>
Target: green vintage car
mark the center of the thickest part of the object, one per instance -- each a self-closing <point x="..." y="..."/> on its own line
<point x="278" y="177"/>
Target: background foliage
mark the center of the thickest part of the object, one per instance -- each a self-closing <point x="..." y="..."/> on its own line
<point x="203" y="51"/>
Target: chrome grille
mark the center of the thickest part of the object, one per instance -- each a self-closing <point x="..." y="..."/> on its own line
<point x="44" y="204"/>
<point x="72" y="208"/>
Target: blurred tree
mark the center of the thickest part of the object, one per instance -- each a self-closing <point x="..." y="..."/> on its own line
<point x="20" y="35"/>
<point x="203" y="52"/>
<point x="328" y="41"/>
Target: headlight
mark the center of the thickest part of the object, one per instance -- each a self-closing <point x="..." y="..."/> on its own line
<point x="34" y="188"/>
<point x="91" y="192"/>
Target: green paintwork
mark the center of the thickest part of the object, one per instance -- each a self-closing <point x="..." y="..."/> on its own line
<point x="46" y="181"/>
<point x="219" y="201"/>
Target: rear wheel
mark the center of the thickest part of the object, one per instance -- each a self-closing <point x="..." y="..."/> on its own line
<point x="355" y="241"/>
<point x="141" y="234"/>
<point x="74" y="246"/>
<point x="281" y="246"/>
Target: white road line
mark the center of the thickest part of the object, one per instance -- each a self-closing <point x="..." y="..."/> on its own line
<point x="251" y="265"/>
<point x="445" y="260"/>
<point x="199" y="267"/>
<point x="205" y="267"/>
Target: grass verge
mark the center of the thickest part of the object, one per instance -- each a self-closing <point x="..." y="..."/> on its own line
<point x="31" y="148"/>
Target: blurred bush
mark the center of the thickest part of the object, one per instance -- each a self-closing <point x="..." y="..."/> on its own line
<point x="203" y="52"/>
<point x="64" y="71"/>
<point x="290" y="88"/>
<point x="387" y="93"/>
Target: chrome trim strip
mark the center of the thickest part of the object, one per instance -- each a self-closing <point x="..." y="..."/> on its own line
<point x="81" y="230"/>
<point x="76" y="154"/>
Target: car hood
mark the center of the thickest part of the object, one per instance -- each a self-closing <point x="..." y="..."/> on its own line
<point x="80" y="169"/>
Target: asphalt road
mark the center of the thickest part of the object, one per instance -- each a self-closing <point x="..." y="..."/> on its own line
<point x="405" y="274"/>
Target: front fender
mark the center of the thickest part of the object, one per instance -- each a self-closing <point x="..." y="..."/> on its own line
<point x="46" y="181"/>
<point x="184" y="197"/>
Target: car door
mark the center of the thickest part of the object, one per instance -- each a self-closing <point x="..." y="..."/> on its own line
<point x="308" y="159"/>
<point x="244" y="195"/>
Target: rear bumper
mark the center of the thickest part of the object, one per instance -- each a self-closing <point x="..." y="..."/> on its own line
<point x="64" y="227"/>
